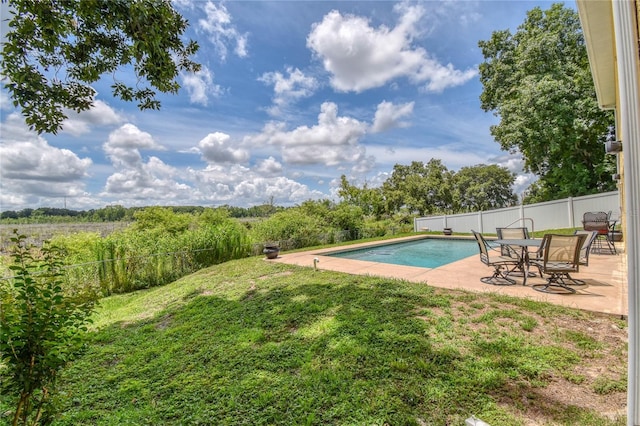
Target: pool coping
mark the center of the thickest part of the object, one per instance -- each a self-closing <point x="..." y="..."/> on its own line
<point x="605" y="290"/>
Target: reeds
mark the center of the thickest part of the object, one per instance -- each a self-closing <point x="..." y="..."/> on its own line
<point x="132" y="259"/>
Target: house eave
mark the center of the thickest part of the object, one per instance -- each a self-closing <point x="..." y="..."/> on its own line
<point x="596" y="18"/>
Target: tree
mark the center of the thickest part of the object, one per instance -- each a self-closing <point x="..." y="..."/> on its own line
<point x="483" y="187"/>
<point x="421" y="188"/>
<point x="55" y="50"/>
<point x="538" y="82"/>
<point x="370" y="200"/>
<point x="111" y="213"/>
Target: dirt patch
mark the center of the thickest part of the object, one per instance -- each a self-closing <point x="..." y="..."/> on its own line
<point x="596" y="382"/>
<point x="164" y="322"/>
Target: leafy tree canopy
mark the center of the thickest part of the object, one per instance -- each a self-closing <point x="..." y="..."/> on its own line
<point x="423" y="188"/>
<point x="483" y="187"/>
<point x="431" y="188"/>
<point x="539" y="83"/>
<point x="55" y="50"/>
<point x="370" y="200"/>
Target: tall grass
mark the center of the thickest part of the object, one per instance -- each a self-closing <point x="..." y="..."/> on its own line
<point x="134" y="259"/>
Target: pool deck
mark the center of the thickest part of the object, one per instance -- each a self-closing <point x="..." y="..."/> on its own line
<point x="605" y="290"/>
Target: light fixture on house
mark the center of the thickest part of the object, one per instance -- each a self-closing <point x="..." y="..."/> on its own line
<point x="613" y="147"/>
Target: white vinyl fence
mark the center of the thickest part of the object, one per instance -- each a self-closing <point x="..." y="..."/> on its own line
<point x="558" y="214"/>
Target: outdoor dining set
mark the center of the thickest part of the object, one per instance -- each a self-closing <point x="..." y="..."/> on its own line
<point x="514" y="254"/>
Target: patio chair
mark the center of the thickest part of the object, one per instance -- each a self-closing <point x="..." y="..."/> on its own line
<point x="516" y="252"/>
<point x="600" y="222"/>
<point x="512" y="234"/>
<point x="492" y="257"/>
<point x="560" y="257"/>
<point x="586" y="246"/>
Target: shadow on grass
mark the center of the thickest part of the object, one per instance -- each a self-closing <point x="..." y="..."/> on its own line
<point x="335" y="349"/>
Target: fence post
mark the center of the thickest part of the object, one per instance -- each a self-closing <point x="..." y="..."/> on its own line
<point x="480" y="226"/>
<point x="570" y="208"/>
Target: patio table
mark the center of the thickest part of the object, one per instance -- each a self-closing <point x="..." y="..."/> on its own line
<point x="524" y="243"/>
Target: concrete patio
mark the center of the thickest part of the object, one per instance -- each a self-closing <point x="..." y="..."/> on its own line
<point x="605" y="290"/>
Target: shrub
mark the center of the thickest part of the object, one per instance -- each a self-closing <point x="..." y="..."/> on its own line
<point x="160" y="220"/>
<point x="346" y="217"/>
<point x="303" y="230"/>
<point x="41" y="324"/>
<point x="78" y="247"/>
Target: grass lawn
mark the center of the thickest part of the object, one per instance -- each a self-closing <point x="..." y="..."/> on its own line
<point x="251" y="342"/>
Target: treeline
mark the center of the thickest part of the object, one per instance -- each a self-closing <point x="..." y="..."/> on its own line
<point x="415" y="189"/>
<point x="117" y="213"/>
<point x="426" y="189"/>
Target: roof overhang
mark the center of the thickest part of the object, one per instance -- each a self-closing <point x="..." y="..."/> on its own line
<point x="596" y="18"/>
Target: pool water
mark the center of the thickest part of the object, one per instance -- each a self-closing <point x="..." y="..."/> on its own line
<point x="426" y="253"/>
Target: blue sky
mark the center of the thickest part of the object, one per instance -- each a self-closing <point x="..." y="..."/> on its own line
<point x="291" y="95"/>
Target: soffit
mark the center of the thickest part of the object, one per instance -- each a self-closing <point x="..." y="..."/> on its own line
<point x="596" y="18"/>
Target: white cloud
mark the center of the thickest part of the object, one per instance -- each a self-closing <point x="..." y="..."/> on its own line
<point x="288" y="89"/>
<point x="216" y="148"/>
<point x="100" y="115"/>
<point x="389" y="116"/>
<point x="361" y="57"/>
<point x="130" y="137"/>
<point x="217" y="25"/>
<point x="515" y="164"/>
<point x="200" y="85"/>
<point x="134" y="180"/>
<point x="29" y="165"/>
<point x="332" y="141"/>
<point x="147" y="181"/>
<point x="219" y="184"/>
<point x="124" y="143"/>
<point x="269" y="167"/>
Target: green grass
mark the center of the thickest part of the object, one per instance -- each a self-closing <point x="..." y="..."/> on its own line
<point x="261" y="343"/>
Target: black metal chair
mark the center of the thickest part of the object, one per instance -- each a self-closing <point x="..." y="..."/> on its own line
<point x="492" y="257"/>
<point x="600" y="222"/>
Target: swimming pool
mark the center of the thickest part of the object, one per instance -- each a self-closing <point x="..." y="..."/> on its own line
<point x="426" y="253"/>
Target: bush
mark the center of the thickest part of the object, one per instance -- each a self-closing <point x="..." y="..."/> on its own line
<point x="346" y="217"/>
<point x="161" y="220"/>
<point x="78" y="247"/>
<point x="41" y="324"/>
<point x="303" y="230"/>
